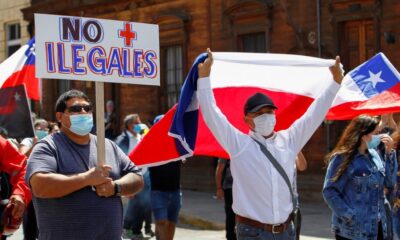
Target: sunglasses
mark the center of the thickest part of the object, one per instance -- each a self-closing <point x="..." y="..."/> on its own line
<point x="78" y="108"/>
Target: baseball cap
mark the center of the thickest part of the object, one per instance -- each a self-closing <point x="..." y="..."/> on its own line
<point x="256" y="102"/>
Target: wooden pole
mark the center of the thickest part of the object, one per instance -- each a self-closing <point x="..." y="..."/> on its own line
<point x="100" y="123"/>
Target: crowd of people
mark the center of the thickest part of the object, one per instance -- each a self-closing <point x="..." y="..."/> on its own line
<point x="58" y="169"/>
<point x="74" y="198"/>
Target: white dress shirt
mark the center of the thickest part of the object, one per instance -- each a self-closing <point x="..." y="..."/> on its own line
<point x="259" y="191"/>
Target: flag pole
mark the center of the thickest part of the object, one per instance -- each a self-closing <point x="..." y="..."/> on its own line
<point x="100" y="123"/>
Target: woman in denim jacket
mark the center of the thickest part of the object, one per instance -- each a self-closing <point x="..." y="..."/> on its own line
<point x="355" y="180"/>
<point x="396" y="193"/>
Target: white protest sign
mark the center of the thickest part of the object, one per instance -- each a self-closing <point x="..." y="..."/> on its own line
<point x="77" y="48"/>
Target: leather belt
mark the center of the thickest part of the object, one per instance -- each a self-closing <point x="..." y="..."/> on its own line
<point x="273" y="228"/>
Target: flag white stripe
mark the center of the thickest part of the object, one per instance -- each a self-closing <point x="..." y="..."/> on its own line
<point x="301" y="75"/>
<point x="349" y="92"/>
<point x="12" y="64"/>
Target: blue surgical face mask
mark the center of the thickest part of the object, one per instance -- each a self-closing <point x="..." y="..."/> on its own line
<point x="81" y="124"/>
<point x="137" y="128"/>
<point x="374" y="142"/>
<point x="40" y="134"/>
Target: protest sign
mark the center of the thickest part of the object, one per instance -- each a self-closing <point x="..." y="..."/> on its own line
<point x="77" y="48"/>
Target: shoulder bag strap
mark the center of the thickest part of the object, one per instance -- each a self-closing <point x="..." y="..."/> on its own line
<point x="280" y="170"/>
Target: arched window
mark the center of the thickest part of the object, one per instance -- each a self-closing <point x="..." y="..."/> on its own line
<point x="172" y="56"/>
<point x="249" y="23"/>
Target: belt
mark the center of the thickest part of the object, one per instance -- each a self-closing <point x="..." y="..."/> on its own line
<point x="273" y="228"/>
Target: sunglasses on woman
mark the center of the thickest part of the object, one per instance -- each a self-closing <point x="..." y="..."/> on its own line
<point x="78" y="108"/>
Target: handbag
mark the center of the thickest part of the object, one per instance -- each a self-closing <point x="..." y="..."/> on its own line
<point x="296" y="215"/>
<point x="8" y="224"/>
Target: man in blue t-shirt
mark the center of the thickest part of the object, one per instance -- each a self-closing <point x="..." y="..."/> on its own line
<point x="62" y="169"/>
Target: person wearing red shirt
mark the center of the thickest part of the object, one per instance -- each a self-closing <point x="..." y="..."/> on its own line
<point x="13" y="163"/>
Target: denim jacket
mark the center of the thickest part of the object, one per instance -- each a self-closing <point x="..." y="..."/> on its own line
<point x="395" y="200"/>
<point x="357" y="197"/>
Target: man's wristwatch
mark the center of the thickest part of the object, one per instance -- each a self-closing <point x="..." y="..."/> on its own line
<point x="117" y="189"/>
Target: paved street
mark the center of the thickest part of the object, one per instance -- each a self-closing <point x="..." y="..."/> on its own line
<point x="185" y="232"/>
<point x="182" y="233"/>
<point x="201" y="211"/>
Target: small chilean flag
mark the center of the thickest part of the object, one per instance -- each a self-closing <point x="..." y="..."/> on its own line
<point x="373" y="88"/>
<point x="19" y="69"/>
<point x="293" y="82"/>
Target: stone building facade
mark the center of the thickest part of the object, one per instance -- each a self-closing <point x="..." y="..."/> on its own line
<point x="13" y="27"/>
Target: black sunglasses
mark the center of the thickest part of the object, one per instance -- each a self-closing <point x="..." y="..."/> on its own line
<point x="78" y="108"/>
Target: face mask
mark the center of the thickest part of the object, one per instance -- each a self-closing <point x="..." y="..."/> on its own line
<point x="374" y="142"/>
<point x="81" y="124"/>
<point x="40" y="134"/>
<point x="264" y="124"/>
<point x="137" y="128"/>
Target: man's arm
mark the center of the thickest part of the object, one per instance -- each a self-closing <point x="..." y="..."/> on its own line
<point x="55" y="185"/>
<point x="130" y="184"/>
<point x="301" y="162"/>
<point x="218" y="179"/>
<point x="25" y="149"/>
<point x="225" y="133"/>
<point x="131" y="181"/>
<point x="303" y="128"/>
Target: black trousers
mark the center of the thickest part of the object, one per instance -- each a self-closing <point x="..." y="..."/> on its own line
<point x="30" y="228"/>
<point x="230" y="215"/>
<point x="380" y="234"/>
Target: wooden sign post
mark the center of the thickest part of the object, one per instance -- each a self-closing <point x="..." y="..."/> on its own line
<point x="101" y="153"/>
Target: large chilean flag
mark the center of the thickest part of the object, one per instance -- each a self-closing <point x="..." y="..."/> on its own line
<point x="19" y="69"/>
<point x="292" y="81"/>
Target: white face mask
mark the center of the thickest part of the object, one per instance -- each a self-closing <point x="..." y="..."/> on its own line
<point x="264" y="124"/>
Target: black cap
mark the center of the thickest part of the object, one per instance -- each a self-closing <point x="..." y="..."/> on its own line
<point x="256" y="102"/>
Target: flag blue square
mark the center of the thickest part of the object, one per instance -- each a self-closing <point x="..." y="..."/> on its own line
<point x="375" y="75"/>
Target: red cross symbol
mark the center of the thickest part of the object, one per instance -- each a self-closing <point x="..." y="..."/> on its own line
<point x="127" y="34"/>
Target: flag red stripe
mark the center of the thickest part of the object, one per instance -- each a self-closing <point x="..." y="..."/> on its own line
<point x="8" y="108"/>
<point x="25" y="75"/>
<point x="156" y="145"/>
<point x="386" y="102"/>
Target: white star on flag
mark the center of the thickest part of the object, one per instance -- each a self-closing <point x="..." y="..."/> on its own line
<point x="375" y="78"/>
<point x="17" y="96"/>
<point x="32" y="50"/>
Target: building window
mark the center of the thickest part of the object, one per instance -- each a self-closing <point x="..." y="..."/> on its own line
<point x="13" y="38"/>
<point x="173" y="73"/>
<point x="254" y="42"/>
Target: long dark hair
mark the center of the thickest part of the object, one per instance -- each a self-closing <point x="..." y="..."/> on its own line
<point x="396" y="140"/>
<point x="350" y="141"/>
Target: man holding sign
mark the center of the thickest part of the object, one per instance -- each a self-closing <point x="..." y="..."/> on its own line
<point x="62" y="173"/>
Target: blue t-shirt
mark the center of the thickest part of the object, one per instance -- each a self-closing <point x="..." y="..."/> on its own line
<point x="81" y="214"/>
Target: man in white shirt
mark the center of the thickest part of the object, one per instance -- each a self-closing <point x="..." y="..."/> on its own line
<point x="261" y="198"/>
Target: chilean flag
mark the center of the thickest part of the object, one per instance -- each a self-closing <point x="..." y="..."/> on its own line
<point x="292" y="81"/>
<point x="19" y="69"/>
<point x="373" y="88"/>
